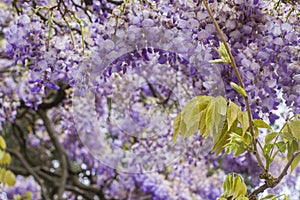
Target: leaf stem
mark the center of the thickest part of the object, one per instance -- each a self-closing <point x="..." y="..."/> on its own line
<point x="240" y="81"/>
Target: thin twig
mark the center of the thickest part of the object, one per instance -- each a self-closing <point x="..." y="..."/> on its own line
<point x="241" y="84"/>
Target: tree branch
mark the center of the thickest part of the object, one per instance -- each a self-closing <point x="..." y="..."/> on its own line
<point x="240" y="81"/>
<point x="61" y="94"/>
<point x="60" y="149"/>
<point x="277" y="180"/>
<point x="29" y="169"/>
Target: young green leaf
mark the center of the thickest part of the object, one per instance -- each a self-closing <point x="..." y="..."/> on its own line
<point x="295" y="163"/>
<point x="270" y="137"/>
<point x="189" y="120"/>
<point x="220" y="140"/>
<point x="192" y="126"/>
<point x="9" y="178"/>
<point x="2" y="143"/>
<point x="269" y="196"/>
<point x="286" y="133"/>
<point x="6" y="159"/>
<point x="261" y="124"/>
<point x="281" y="146"/>
<point x="292" y="147"/>
<point x="216" y="108"/>
<point x="238" y="144"/>
<point x="176" y="125"/>
<point x="244" y="120"/>
<point x="232" y="113"/>
<point x="240" y="189"/>
<point x="234" y="187"/>
<point x="224" y="54"/>
<point x="266" y="153"/>
<point x="196" y="105"/>
<point x="202" y="124"/>
<point x="2" y="154"/>
<point x="294" y="127"/>
<point x="216" y="61"/>
<point x="239" y="89"/>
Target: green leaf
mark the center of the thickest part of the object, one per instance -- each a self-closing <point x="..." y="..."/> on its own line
<point x="244" y="120"/>
<point x="267" y="148"/>
<point x="183" y="127"/>
<point x="216" y="108"/>
<point x="196" y="105"/>
<point x="270" y="137"/>
<point x="6" y="159"/>
<point x="261" y="124"/>
<point x="239" y="89"/>
<point x="232" y="113"/>
<point x="176" y="126"/>
<point x="295" y="163"/>
<point x="2" y="143"/>
<point x="266" y="153"/>
<point x="281" y="146"/>
<point x="292" y="147"/>
<point x="224" y="54"/>
<point x="28" y="195"/>
<point x="269" y="196"/>
<point x="2" y="174"/>
<point x="220" y="140"/>
<point x="17" y="197"/>
<point x="2" y="154"/>
<point x="216" y="61"/>
<point x="240" y="188"/>
<point x="192" y="126"/>
<point x="226" y="185"/>
<point x="294" y="127"/>
<point x="286" y="133"/>
<point x="238" y="143"/>
<point x="9" y="178"/>
<point x="191" y="115"/>
<point x="202" y="124"/>
<point x="234" y="187"/>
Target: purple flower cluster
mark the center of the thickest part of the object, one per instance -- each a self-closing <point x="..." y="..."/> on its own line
<point x="44" y="67"/>
<point x="8" y="101"/>
<point x="265" y="49"/>
<point x="139" y="67"/>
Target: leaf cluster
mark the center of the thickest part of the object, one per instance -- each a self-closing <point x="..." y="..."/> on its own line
<point x="234" y="188"/>
<point x="215" y="116"/>
<point x="7" y="177"/>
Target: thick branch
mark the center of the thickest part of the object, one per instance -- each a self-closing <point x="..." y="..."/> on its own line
<point x="60" y="96"/>
<point x="59" y="148"/>
<point x="29" y="169"/>
<point x="277" y="180"/>
<point x="70" y="187"/>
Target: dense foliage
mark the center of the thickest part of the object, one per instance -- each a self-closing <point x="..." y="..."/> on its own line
<point x="149" y="99"/>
